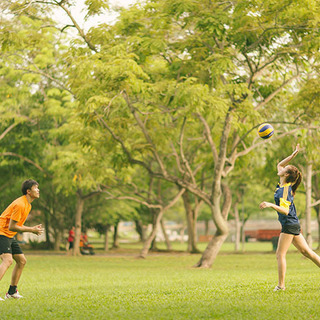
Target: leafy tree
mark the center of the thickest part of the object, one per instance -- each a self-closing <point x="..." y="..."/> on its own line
<point x="180" y="87"/>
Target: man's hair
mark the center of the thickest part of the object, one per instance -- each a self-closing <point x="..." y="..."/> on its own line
<point x="27" y="185"/>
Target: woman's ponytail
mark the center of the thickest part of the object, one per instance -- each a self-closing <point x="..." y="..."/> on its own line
<point x="294" y="176"/>
<point x="295" y="185"/>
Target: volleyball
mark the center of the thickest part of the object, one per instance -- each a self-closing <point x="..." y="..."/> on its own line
<point x="265" y="131"/>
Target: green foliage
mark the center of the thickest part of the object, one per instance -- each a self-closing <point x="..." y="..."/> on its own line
<point x="166" y="64"/>
<point x="95" y="7"/>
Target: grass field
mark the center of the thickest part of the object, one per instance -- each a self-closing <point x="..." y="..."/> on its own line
<point x="239" y="286"/>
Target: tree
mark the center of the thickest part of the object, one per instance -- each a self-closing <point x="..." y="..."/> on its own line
<point x="180" y="87"/>
<point x="220" y="75"/>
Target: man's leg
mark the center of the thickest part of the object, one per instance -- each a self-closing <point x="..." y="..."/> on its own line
<point x="5" y="264"/>
<point x="21" y="261"/>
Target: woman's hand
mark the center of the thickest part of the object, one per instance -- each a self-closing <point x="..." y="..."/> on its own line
<point x="265" y="204"/>
<point x="295" y="152"/>
<point x="273" y="206"/>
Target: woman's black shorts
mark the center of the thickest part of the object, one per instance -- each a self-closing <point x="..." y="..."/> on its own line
<point x="294" y="229"/>
<point x="9" y="245"/>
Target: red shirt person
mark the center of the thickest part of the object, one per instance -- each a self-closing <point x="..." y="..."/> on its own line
<point x="71" y="237"/>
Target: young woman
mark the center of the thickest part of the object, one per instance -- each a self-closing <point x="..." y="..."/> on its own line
<point x="290" y="178"/>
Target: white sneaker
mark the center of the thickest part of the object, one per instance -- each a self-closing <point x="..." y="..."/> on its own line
<point x="16" y="295"/>
<point x="1" y="299"/>
<point x="277" y="288"/>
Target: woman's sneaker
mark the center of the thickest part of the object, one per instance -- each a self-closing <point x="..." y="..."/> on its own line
<point x="16" y="295"/>
<point x="277" y="288"/>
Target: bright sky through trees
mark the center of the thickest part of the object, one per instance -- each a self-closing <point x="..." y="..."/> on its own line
<point x="79" y="13"/>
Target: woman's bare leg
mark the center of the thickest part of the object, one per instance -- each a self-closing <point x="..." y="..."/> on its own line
<point x="283" y="245"/>
<point x="301" y="244"/>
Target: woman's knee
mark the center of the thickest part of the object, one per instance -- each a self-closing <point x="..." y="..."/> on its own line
<point x="280" y="253"/>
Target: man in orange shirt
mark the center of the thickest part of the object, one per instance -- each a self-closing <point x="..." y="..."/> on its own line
<point x="11" y="222"/>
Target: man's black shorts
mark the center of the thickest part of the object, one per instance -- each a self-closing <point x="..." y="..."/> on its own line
<point x="291" y="229"/>
<point x="9" y="245"/>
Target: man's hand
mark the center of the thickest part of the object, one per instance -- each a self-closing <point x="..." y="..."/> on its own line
<point x="37" y="229"/>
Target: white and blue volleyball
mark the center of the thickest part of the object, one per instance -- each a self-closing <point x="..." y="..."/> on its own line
<point x="265" y="131"/>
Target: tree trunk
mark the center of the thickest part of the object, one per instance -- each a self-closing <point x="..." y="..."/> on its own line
<point x="115" y="244"/>
<point x="106" y="239"/>
<point x="308" y="186"/>
<point x="206" y="227"/>
<point x="57" y="239"/>
<point x="212" y="251"/>
<point x="166" y="238"/>
<point x="318" y="219"/>
<point x="219" y="216"/>
<point x="47" y="228"/>
<point x="218" y="239"/>
<point x="237" y="229"/>
<point x="243" y="221"/>
<point x="147" y="243"/>
<point x="243" y="237"/>
<point x="191" y="222"/>
<point x="153" y="246"/>
<point x="141" y="230"/>
<point x="79" y="211"/>
<point x="316" y="192"/>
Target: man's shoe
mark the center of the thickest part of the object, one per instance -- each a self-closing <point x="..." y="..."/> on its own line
<point x="16" y="295"/>
<point x="1" y="299"/>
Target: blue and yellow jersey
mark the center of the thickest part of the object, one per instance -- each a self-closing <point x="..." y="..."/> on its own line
<point x="283" y="197"/>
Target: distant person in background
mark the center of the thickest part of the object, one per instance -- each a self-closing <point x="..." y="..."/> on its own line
<point x="85" y="246"/>
<point x="290" y="179"/>
<point x="11" y="222"/>
<point x="71" y="239"/>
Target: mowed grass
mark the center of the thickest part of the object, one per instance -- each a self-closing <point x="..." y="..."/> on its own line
<point x="239" y="286"/>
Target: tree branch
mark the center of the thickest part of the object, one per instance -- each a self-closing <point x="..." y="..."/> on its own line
<point x="81" y="32"/>
<point x="315" y="203"/>
<point x="60" y="84"/>
<point x="175" y="153"/>
<point x="4" y="154"/>
<point x="246" y="151"/>
<point x="209" y="138"/>
<point x="126" y="151"/>
<point x="146" y="134"/>
<point x="274" y="93"/>
<point x="174" y="200"/>
<point x="185" y="161"/>
<point x="5" y="132"/>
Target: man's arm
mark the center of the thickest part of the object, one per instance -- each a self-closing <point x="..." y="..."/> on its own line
<point x="13" y="226"/>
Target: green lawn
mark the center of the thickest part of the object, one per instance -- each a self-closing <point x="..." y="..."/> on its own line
<point x="239" y="286"/>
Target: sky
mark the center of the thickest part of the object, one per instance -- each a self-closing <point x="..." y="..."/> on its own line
<point x="77" y="12"/>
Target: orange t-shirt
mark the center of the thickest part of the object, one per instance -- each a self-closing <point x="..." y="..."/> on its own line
<point x="18" y="211"/>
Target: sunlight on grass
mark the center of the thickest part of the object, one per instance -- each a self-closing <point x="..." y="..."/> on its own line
<point x="163" y="287"/>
